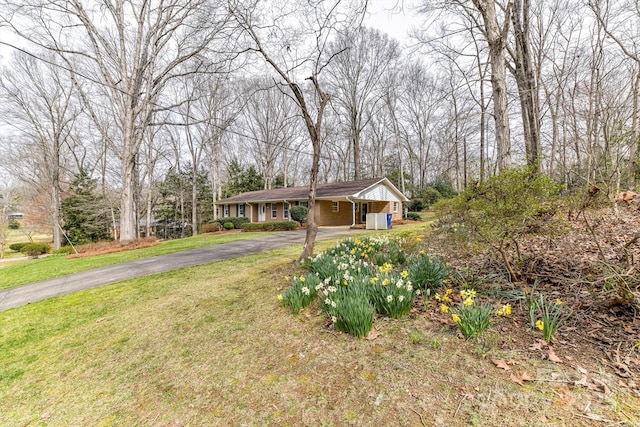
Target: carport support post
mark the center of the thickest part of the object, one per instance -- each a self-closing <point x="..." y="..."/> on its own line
<point x="353" y="212"/>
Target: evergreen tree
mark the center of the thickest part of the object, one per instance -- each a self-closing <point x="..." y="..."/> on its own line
<point x="242" y="179"/>
<point x="85" y="213"/>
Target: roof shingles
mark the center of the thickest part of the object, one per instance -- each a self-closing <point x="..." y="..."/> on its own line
<point x="338" y="189"/>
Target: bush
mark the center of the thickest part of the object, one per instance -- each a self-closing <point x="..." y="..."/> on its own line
<point x="35" y="249"/>
<point x="63" y="250"/>
<point x="211" y="227"/>
<point x="269" y="226"/>
<point x="416" y="205"/>
<point x="13" y="224"/>
<point x="431" y="196"/>
<point x="237" y="221"/>
<point x="299" y="213"/>
<point x="17" y="246"/>
<point x="503" y="209"/>
<point x="228" y="226"/>
<point x="413" y="216"/>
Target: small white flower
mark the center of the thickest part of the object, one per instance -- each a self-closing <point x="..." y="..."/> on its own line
<point x="418" y="292"/>
<point x="333" y="304"/>
<point x="334" y="319"/>
<point x="401" y="298"/>
<point x="410" y="288"/>
<point x="305" y="290"/>
<point x="327" y="301"/>
<point x="389" y="298"/>
<point x="332" y="288"/>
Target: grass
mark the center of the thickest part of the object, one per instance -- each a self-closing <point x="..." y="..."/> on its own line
<point x="210" y="345"/>
<point x="16" y="274"/>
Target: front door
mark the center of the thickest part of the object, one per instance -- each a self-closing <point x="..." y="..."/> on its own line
<point x="364" y="209"/>
<point x="262" y="212"/>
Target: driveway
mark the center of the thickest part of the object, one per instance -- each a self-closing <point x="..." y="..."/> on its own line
<point x="22" y="295"/>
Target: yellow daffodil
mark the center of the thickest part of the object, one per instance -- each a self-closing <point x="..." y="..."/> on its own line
<point x="404" y="274"/>
<point x="455" y="318"/>
<point x="302" y="278"/>
<point x="558" y="302"/>
<point x="444" y="308"/>
<point x="506" y="309"/>
<point x="540" y="324"/>
<point x="280" y="297"/>
<point x="468" y="301"/>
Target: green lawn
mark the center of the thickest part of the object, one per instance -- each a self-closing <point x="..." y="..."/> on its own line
<point x="210" y="345"/>
<point x="16" y="274"/>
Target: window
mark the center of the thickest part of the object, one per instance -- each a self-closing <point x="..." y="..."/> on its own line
<point x="335" y="206"/>
<point x="395" y="206"/>
<point x="274" y="211"/>
<point x="285" y="210"/>
<point x="241" y="211"/>
<point x="225" y="211"/>
<point x="305" y="204"/>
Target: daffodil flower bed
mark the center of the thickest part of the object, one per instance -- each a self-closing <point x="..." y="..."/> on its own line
<point x="357" y="279"/>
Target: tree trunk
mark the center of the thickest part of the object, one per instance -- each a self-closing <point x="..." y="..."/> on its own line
<point x="496" y="40"/>
<point x="527" y="87"/>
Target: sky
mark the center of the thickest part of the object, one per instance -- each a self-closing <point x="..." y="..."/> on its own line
<point x="393" y="17"/>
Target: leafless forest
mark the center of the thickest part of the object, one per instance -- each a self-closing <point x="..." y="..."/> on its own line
<point x="166" y="103"/>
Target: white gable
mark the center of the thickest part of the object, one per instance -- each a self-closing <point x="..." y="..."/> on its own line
<point x="379" y="192"/>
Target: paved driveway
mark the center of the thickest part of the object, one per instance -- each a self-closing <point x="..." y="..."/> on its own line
<point x="21" y="295"/>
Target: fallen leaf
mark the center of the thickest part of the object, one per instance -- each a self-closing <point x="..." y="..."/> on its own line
<point x="605" y="389"/>
<point x="535" y="346"/>
<point x="520" y="378"/>
<point x="500" y="363"/>
<point x="513" y="362"/>
<point x="582" y="370"/>
<point x="584" y="382"/>
<point x="553" y="357"/>
<point x="373" y="334"/>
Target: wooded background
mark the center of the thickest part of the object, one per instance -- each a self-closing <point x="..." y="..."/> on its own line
<point x="158" y="108"/>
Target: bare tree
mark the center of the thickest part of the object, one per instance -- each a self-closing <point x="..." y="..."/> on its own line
<point x="355" y="79"/>
<point x="39" y="107"/>
<point x="293" y="58"/>
<point x="122" y="53"/>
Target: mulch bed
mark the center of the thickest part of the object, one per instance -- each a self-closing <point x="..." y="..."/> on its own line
<point x="592" y="267"/>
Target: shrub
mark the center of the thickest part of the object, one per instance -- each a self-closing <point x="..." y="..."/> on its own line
<point x="301" y="293"/>
<point x="63" y="250"/>
<point x="416" y="205"/>
<point x="35" y="249"/>
<point x="431" y="196"/>
<point x="498" y="212"/>
<point x="211" y="227"/>
<point x="228" y="226"/>
<point x="413" y="216"/>
<point x="269" y="226"/>
<point x="18" y="246"/>
<point x="299" y="213"/>
<point x="13" y="224"/>
<point x="237" y="221"/>
<point x="427" y="273"/>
